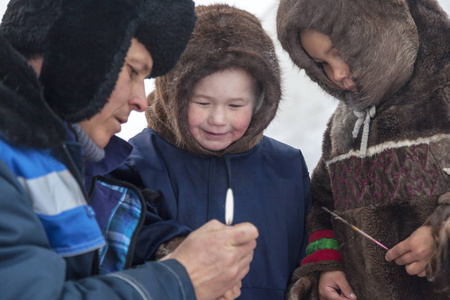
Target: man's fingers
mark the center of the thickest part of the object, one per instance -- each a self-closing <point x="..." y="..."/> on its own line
<point x="237" y="235"/>
<point x="243" y="233"/>
<point x="230" y="295"/>
<point x="233" y="293"/>
<point x="213" y="225"/>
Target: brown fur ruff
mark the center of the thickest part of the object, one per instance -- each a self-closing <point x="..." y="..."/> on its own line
<point x="398" y="53"/>
<point x="224" y="37"/>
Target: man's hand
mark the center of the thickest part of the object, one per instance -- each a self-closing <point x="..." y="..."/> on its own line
<point x="333" y="285"/>
<point x="233" y="293"/>
<point x="217" y="257"/>
<point x="414" y="252"/>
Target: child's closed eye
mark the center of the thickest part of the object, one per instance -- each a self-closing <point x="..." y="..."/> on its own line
<point x="320" y="63"/>
<point x="201" y="103"/>
<point x="236" y="105"/>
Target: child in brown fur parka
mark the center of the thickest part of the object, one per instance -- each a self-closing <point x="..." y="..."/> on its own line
<point x="385" y="163"/>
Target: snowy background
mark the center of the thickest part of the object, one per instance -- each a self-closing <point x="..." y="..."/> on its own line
<point x="305" y="109"/>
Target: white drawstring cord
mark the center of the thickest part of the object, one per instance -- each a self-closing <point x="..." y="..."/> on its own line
<point x="363" y="117"/>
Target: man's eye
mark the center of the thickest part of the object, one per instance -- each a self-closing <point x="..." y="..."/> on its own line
<point x="133" y="72"/>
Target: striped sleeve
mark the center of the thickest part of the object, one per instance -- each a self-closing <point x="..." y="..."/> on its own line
<point x="322" y="245"/>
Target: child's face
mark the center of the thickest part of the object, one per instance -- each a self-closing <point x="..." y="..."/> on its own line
<point x="221" y="108"/>
<point x="320" y="48"/>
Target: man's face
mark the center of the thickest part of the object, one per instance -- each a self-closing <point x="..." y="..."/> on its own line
<point x="128" y="95"/>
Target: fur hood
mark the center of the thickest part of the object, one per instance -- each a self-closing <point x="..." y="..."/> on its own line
<point x="25" y="118"/>
<point x="224" y="37"/>
<point x="429" y="72"/>
<point x="379" y="40"/>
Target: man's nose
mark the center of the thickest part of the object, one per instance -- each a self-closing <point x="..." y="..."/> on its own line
<point x="138" y="101"/>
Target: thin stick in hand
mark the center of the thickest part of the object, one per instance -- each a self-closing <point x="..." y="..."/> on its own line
<point x="355" y="228"/>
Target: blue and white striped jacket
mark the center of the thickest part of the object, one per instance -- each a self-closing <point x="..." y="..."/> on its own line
<point x="57" y="199"/>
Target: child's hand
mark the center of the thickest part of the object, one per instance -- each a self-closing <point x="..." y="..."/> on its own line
<point x="414" y="252"/>
<point x="333" y="282"/>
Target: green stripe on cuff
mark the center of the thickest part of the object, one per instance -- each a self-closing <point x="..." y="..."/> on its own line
<point x="322" y="244"/>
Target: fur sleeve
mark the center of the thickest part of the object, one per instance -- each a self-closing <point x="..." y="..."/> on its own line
<point x="438" y="267"/>
<point x="322" y="252"/>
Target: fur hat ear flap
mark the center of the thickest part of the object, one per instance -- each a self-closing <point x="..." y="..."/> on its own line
<point x="26" y="23"/>
<point x="21" y="95"/>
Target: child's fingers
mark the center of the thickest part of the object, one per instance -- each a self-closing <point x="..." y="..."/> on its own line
<point x="405" y="259"/>
<point x="415" y="268"/>
<point x="422" y="274"/>
<point x="397" y="251"/>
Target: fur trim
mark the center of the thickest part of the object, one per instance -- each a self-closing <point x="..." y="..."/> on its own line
<point x="168" y="247"/>
<point x="25" y="118"/>
<point x="438" y="267"/>
<point x="88" y="45"/>
<point x="378" y="149"/>
<point x="303" y="288"/>
<point x="224" y="37"/>
<point x="26" y="23"/>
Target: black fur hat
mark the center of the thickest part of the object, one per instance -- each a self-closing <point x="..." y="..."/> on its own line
<point x="25" y="118"/>
<point x="88" y="44"/>
<point x="25" y="24"/>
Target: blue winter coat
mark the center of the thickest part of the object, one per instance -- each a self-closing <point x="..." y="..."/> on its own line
<point x="34" y="265"/>
<point x="271" y="190"/>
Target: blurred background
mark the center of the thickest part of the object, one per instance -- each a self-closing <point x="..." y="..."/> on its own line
<point x="304" y="110"/>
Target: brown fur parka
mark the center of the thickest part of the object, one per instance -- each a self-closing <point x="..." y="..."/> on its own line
<point x="397" y="178"/>
<point x="224" y="37"/>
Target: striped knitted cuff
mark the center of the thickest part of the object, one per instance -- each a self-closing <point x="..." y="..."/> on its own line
<point x="322" y="245"/>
